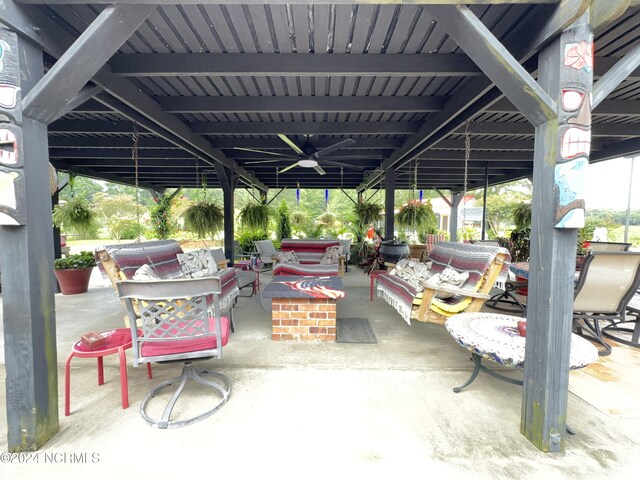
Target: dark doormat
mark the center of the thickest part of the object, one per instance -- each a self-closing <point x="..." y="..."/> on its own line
<point x="354" y="330"/>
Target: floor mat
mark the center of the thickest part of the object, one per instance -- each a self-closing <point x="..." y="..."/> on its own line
<point x="354" y="330"/>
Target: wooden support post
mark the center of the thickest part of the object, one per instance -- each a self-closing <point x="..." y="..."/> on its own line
<point x="26" y="257"/>
<point x="566" y="74"/>
<point x="389" y="199"/>
<point x="453" y="221"/>
<point x="484" y="201"/>
<point x="228" y="181"/>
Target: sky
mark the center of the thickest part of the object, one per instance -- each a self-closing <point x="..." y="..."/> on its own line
<point x="608" y="184"/>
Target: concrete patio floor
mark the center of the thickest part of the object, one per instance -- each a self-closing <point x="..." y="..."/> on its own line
<point x="315" y="410"/>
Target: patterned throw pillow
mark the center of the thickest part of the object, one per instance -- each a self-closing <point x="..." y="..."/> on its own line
<point x="146" y="272"/>
<point x="197" y="264"/>
<point x="331" y="255"/>
<point x="448" y="277"/>
<point x="286" y="257"/>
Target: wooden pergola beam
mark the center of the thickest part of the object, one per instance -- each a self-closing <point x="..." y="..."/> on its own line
<point x="83" y="59"/>
<point x="495" y="60"/>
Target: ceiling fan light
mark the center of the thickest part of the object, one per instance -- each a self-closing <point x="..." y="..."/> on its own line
<point x="308" y="163"/>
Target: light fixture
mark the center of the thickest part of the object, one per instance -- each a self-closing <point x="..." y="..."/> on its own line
<point x="308" y="163"/>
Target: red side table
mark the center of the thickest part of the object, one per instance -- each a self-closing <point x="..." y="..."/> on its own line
<point x="373" y="278"/>
<point x="118" y="341"/>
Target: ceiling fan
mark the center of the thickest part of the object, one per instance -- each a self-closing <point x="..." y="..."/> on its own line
<point x="307" y="155"/>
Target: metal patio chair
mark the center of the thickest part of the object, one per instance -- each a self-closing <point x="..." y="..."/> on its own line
<point x="266" y="250"/>
<point x="181" y="322"/>
<point x="607" y="283"/>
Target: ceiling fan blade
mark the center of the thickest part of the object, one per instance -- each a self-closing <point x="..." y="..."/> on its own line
<point x="258" y="151"/>
<point x="259" y="162"/>
<point x="286" y="169"/>
<point x="334" y="147"/>
<point x="319" y="169"/>
<point x="289" y="142"/>
<point x="345" y="165"/>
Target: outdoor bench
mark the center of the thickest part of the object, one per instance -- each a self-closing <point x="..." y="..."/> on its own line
<point x="310" y="252"/>
<point x="122" y="261"/>
<point x="414" y="296"/>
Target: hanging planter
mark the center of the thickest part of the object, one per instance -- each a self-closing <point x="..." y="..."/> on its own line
<point x="416" y="215"/>
<point x="75" y="216"/>
<point x="367" y="213"/>
<point x="205" y="219"/>
<point x="255" y="216"/>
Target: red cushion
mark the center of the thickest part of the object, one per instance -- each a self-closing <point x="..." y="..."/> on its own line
<point x="172" y="347"/>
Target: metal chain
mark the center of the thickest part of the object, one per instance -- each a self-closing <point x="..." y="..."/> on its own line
<point x="134" y="157"/>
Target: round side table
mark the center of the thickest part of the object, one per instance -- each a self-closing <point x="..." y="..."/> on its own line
<point x="118" y="341"/>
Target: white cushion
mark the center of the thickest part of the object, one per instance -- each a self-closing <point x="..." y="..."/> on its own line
<point x="331" y="255"/>
<point x="197" y="264"/>
<point x="146" y="272"/>
<point x="448" y="277"/>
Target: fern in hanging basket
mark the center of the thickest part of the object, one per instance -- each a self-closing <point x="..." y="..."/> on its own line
<point x="75" y="215"/>
<point x="205" y="219"/>
<point x="367" y="212"/>
<point x="255" y="216"/>
<point x="416" y="215"/>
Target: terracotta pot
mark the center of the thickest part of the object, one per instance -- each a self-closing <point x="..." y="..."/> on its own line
<point x="580" y="261"/>
<point x="73" y="281"/>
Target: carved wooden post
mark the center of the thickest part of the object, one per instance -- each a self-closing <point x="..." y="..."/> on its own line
<point x="562" y="148"/>
<point x="26" y="255"/>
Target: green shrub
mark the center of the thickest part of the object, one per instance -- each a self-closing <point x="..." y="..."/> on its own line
<point x="75" y="261"/>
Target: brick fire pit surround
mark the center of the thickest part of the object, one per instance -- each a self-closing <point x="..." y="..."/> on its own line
<point x="304" y="308"/>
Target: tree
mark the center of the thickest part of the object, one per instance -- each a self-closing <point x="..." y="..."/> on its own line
<point x="283" y="228"/>
<point x="162" y="222"/>
<point x="119" y="214"/>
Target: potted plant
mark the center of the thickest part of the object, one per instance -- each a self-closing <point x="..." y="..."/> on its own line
<point x="204" y="218"/>
<point x="255" y="216"/>
<point x="417" y="215"/>
<point x="73" y="272"/>
<point x="367" y="213"/>
<point x="75" y="215"/>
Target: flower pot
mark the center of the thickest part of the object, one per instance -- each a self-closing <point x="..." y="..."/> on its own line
<point x="73" y="281"/>
<point x="393" y="252"/>
<point x="580" y="261"/>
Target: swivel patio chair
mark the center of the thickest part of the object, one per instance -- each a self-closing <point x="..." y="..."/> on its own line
<point x="181" y="322"/>
<point x="626" y="330"/>
<point x="607" y="283"/>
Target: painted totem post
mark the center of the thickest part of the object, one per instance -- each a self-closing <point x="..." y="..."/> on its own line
<point x="574" y="125"/>
<point x="12" y="184"/>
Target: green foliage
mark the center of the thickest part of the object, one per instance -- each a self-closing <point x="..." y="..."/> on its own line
<point x="75" y="261"/>
<point x="131" y="230"/>
<point x="468" y="232"/>
<point x="313" y="230"/>
<point x="367" y="213"/>
<point x="162" y="223"/>
<point x="255" y="216"/>
<point x="521" y="215"/>
<point x="283" y="228"/>
<point x="118" y="212"/>
<point x="247" y="236"/>
<point x="519" y="245"/>
<point x="204" y="219"/>
<point x="416" y="215"/>
<point x="75" y="216"/>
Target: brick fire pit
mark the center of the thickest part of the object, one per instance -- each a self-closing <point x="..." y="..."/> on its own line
<point x="304" y="308"/>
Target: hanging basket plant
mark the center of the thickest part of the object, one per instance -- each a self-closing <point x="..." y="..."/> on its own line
<point x="75" y="216"/>
<point x="367" y="212"/>
<point x="255" y="216"/>
<point x="416" y="215"/>
<point x="205" y="219"/>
